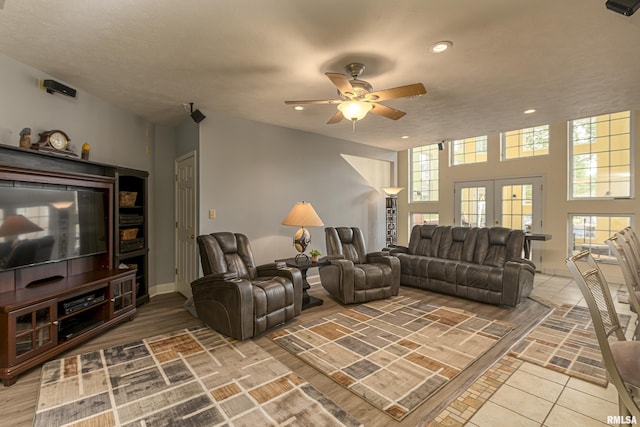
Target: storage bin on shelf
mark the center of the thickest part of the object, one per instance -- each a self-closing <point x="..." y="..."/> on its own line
<point x="128" y="234"/>
<point x="128" y="198"/>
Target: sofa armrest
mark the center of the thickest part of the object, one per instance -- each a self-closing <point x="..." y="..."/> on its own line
<point x="398" y="250"/>
<point x="381" y="257"/>
<point x="225" y="305"/>
<point x="223" y="276"/>
<point x="517" y="281"/>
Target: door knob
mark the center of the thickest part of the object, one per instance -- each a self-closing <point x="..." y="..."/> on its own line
<point x="192" y="237"/>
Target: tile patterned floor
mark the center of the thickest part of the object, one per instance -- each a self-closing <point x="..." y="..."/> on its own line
<point x="517" y="393"/>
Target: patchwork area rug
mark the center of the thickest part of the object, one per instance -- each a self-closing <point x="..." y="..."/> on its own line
<point x="194" y="377"/>
<point x="394" y="353"/>
<point x="566" y="342"/>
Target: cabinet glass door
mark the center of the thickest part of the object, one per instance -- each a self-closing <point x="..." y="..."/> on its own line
<point x="34" y="329"/>
<point x="123" y="295"/>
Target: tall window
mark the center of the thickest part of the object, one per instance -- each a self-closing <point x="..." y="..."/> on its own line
<point x="527" y="142"/>
<point x="469" y="150"/>
<point x="424" y="173"/>
<point x="600" y="153"/>
<point x="589" y="232"/>
<point x="423" y="218"/>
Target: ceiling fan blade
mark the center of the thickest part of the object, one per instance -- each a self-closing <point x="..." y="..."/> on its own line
<point x="315" y="101"/>
<point x="398" y="92"/>
<point x="342" y="83"/>
<point x="388" y="112"/>
<point x="337" y="118"/>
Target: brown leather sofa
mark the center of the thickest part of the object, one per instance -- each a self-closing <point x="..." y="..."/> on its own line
<point x="482" y="264"/>
<point x="238" y="298"/>
<point x="354" y="275"/>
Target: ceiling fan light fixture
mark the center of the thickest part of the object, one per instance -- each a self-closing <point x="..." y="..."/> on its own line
<point x="354" y="110"/>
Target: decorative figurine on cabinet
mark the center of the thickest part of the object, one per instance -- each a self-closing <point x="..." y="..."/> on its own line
<point x="25" y="138"/>
<point x="85" y="151"/>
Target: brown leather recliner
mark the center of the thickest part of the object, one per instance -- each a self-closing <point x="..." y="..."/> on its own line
<point x="354" y="275"/>
<point x="238" y="298"/>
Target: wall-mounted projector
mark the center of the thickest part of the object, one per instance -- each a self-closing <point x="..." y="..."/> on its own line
<point x="53" y="86"/>
<point x="624" y="7"/>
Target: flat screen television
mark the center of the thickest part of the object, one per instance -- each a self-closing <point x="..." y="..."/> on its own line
<point x="47" y="223"/>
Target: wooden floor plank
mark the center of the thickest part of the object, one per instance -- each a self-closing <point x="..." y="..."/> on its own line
<point x="165" y="313"/>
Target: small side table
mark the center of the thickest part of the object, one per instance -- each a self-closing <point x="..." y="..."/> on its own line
<point x="528" y="237"/>
<point x="303" y="265"/>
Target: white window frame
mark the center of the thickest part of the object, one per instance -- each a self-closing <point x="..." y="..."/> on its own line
<point x="522" y="148"/>
<point x="434" y="193"/>
<point x="479" y="140"/>
<point x="595" y="244"/>
<point x="411" y="214"/>
<point x="570" y="190"/>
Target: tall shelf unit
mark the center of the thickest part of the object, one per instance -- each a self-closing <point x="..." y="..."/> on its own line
<point x="131" y="235"/>
<point x="392" y="220"/>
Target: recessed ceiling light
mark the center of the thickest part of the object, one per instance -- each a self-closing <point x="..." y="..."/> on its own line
<point x="298" y="108"/>
<point x="405" y="137"/>
<point x="530" y="111"/>
<point x="441" y="46"/>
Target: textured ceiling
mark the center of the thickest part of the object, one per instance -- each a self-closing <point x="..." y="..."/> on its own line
<point x="565" y="58"/>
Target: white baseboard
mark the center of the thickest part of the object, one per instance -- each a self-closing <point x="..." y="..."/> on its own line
<point x="162" y="288"/>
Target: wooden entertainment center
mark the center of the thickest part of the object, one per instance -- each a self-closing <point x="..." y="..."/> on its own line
<point x="47" y="308"/>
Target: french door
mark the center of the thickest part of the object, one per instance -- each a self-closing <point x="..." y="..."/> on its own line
<point x="512" y="203"/>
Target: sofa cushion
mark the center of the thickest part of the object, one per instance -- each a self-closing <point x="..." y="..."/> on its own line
<point x="497" y="245"/>
<point x="425" y="240"/>
<point x="353" y="247"/>
<point x="463" y="244"/>
<point x="367" y="274"/>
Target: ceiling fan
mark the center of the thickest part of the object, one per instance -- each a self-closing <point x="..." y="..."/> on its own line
<point x="357" y="97"/>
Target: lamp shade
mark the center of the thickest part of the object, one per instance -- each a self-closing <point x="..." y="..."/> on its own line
<point x="302" y="214"/>
<point x="14" y="225"/>
<point x="392" y="191"/>
<point x="354" y="110"/>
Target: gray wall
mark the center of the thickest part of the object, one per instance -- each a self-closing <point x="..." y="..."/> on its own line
<point x="253" y="173"/>
<point x="250" y="172"/>
<point x="171" y="143"/>
<point x="115" y="135"/>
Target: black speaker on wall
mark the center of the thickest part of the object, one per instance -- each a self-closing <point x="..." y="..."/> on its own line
<point x="52" y="86"/>
<point x="441" y="146"/>
<point x="624" y="7"/>
<point x="196" y="115"/>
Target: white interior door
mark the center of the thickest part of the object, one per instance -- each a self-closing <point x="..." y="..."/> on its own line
<point x="186" y="251"/>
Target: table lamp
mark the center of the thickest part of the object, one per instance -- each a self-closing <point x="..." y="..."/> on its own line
<point x="302" y="215"/>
